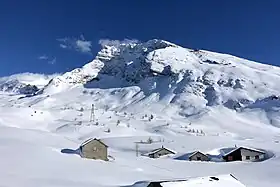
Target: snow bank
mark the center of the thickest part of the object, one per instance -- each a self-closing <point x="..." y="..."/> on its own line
<point x="217" y="181"/>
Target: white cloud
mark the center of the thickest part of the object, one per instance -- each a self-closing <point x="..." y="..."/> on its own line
<point x="47" y="59"/>
<point x="53" y="61"/>
<point x="83" y="46"/>
<point x="78" y="44"/>
<point x="63" y="46"/>
<point x="109" y="42"/>
<point x="43" y="57"/>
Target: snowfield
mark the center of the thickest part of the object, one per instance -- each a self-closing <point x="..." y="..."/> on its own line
<point x="183" y="99"/>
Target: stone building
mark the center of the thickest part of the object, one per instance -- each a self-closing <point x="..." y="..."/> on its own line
<point x="94" y="149"/>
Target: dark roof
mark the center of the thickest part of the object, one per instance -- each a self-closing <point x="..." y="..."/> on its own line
<point x="93" y="139"/>
<point x="171" y="180"/>
<point x="196" y="153"/>
<point x="247" y="148"/>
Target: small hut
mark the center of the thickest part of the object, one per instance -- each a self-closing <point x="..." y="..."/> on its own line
<point x="156" y="153"/>
<point x="94" y="149"/>
<point x="198" y="156"/>
<point x="244" y="154"/>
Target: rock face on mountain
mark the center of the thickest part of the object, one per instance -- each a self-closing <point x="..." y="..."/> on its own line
<point x="126" y="61"/>
<point x="212" y="75"/>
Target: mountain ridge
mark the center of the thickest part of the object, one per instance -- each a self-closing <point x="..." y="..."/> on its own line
<point x="159" y="72"/>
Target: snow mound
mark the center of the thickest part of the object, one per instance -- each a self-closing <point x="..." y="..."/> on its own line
<point x="212" y="181"/>
<point x="218" y="181"/>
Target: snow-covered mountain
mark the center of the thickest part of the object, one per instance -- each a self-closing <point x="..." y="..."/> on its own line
<point x="25" y="84"/>
<point x="184" y="99"/>
<point x="162" y="72"/>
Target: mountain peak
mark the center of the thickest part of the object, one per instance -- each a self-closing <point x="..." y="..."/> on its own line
<point x="115" y="48"/>
<point x="124" y="52"/>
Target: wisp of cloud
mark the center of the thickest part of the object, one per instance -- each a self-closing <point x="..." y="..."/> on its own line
<point x="108" y="42"/>
<point x="78" y="44"/>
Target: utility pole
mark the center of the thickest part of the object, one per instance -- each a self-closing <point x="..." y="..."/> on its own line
<point x="92" y="115"/>
<point x="136" y="148"/>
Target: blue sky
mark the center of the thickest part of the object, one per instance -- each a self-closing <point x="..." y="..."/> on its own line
<point x="49" y="36"/>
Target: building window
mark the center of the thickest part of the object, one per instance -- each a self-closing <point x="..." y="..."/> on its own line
<point x="230" y="158"/>
<point x="257" y="157"/>
<point x="198" y="158"/>
<point x="247" y="157"/>
<point x="94" y="149"/>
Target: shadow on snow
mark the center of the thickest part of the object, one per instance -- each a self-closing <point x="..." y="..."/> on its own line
<point x="71" y="151"/>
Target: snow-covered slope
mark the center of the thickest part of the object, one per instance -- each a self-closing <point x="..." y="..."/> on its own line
<point x="26" y="83"/>
<point x="161" y="72"/>
<point x="184" y="99"/>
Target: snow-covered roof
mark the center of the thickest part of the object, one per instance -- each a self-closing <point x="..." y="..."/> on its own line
<point x="157" y="150"/>
<point x="210" y="181"/>
<point x="247" y="148"/>
<point x="196" y="153"/>
<point x="92" y="139"/>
